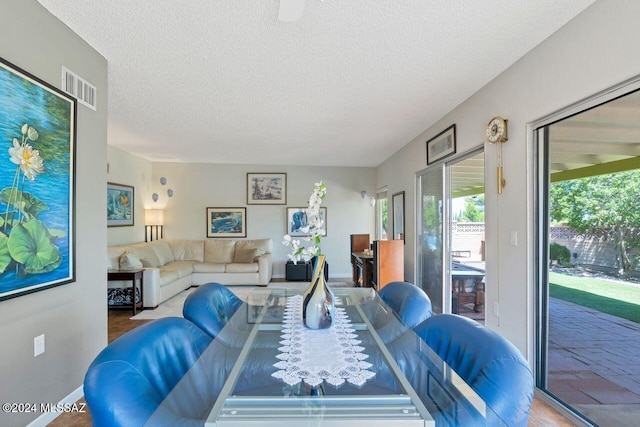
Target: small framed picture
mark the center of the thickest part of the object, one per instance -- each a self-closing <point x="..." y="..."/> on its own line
<point x="441" y="145"/>
<point x="266" y="188"/>
<point x="119" y="205"/>
<point x="226" y="222"/>
<point x="297" y="220"/>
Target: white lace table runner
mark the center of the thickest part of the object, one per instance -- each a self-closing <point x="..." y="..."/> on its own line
<point x="313" y="356"/>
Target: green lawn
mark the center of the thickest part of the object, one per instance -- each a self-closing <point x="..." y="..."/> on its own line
<point x="602" y="295"/>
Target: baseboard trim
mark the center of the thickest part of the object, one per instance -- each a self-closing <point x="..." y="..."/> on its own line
<point x="44" y="419"/>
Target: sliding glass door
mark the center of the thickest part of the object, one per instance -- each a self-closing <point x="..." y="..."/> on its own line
<point x="450" y="235"/>
<point x="588" y="234"/>
<point x="429" y="237"/>
<point x="467" y="236"/>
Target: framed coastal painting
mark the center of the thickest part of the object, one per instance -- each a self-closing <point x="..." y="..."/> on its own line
<point x="226" y="222"/>
<point x="297" y="220"/>
<point x="119" y="205"/>
<point x="266" y="188"/>
<point x="442" y="145"/>
<point x="37" y="184"/>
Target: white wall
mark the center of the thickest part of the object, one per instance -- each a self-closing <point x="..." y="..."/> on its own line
<point x="73" y="317"/>
<point x="198" y="186"/>
<point x="128" y="169"/>
<point x="594" y="51"/>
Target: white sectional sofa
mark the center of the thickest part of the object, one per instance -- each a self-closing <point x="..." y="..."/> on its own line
<point x="171" y="266"/>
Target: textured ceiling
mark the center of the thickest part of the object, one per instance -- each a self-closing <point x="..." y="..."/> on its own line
<point x="348" y="84"/>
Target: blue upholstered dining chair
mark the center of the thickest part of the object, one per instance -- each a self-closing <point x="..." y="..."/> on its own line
<point x="210" y="307"/>
<point x="491" y="365"/>
<point x="130" y="378"/>
<point x="409" y="302"/>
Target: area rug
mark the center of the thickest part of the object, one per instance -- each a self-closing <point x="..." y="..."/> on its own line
<point x="173" y="306"/>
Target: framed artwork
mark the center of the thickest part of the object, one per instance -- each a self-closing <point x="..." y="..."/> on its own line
<point x="441" y="145"/>
<point x="37" y="184"/>
<point x="119" y="205"/>
<point x="398" y="215"/>
<point x="226" y="222"/>
<point x="297" y="219"/>
<point x="266" y="188"/>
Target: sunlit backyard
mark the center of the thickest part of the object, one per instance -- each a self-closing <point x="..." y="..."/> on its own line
<point x="614" y="297"/>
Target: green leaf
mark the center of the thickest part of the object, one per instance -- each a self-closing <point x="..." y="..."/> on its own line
<point x="26" y="203"/>
<point x="30" y="244"/>
<point x="57" y="234"/>
<point x="5" y="256"/>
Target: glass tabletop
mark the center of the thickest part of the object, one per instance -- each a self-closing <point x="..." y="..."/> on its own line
<point x="256" y="372"/>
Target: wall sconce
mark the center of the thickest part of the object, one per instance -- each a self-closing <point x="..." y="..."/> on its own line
<point x="153" y="220"/>
<point x="156" y="196"/>
<point x="364" y="195"/>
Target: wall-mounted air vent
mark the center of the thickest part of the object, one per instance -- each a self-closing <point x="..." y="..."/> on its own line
<point x="79" y="88"/>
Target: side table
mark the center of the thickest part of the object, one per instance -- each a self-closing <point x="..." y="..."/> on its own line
<point x="132" y="275"/>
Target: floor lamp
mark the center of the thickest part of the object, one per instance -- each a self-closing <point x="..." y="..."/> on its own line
<point x="153" y="221"/>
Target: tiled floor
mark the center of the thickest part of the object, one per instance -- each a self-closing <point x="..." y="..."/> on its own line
<point x="594" y="363"/>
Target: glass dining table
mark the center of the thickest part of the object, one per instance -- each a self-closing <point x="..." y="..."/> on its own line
<point x="368" y="369"/>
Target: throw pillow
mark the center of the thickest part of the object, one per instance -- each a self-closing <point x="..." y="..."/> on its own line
<point x="129" y="261"/>
<point x="246" y="255"/>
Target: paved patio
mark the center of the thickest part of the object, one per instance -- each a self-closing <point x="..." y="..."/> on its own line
<point x="594" y="363"/>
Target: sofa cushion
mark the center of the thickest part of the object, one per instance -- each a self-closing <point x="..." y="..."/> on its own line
<point x="219" y="251"/>
<point x="128" y="261"/>
<point x="266" y="245"/>
<point x="183" y="268"/>
<point x="163" y="251"/>
<point x="113" y="256"/>
<point x="146" y="254"/>
<point x="246" y="255"/>
<point x="242" y="268"/>
<point x="168" y="277"/>
<point x="187" y="250"/>
<point x="208" y="267"/>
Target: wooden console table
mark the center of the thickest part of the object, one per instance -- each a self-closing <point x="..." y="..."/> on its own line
<point x="132" y="275"/>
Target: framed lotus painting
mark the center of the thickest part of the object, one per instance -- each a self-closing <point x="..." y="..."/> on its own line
<point x="37" y="162"/>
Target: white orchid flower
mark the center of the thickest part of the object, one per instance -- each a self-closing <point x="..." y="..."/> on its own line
<point x="314" y="226"/>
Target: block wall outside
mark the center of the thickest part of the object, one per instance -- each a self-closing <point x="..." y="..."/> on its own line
<point x="595" y="253"/>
